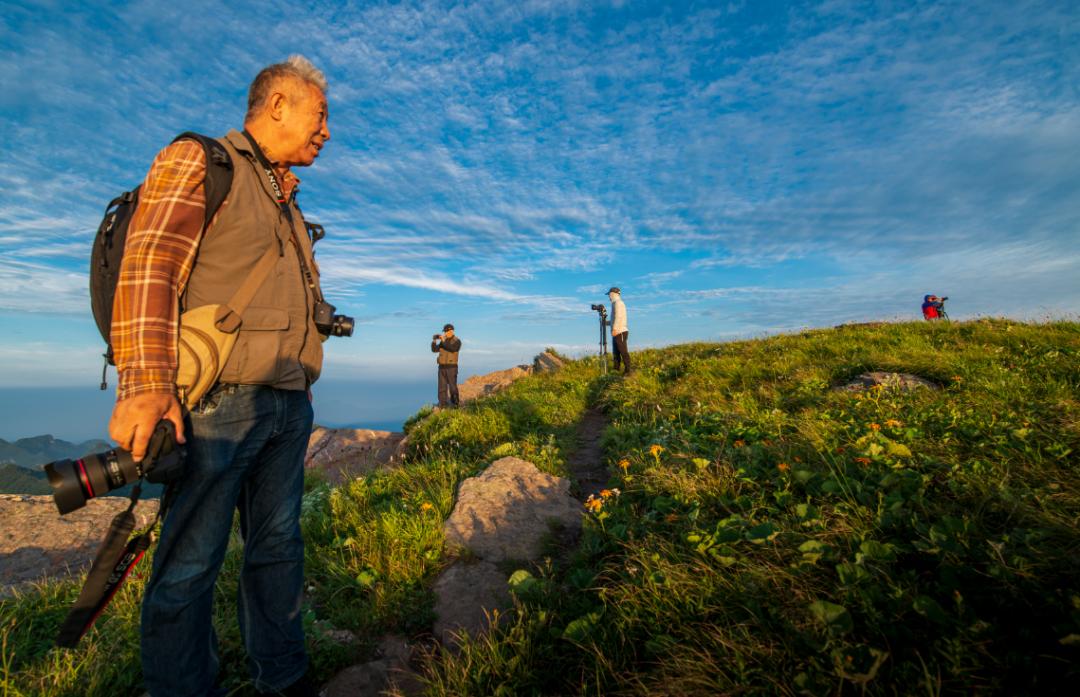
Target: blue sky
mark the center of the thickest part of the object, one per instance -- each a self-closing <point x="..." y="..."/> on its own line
<point x="737" y="168"/>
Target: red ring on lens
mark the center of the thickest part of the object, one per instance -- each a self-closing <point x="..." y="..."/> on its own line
<point x="85" y="479"/>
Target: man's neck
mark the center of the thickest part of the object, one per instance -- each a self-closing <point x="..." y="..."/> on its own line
<point x="266" y="145"/>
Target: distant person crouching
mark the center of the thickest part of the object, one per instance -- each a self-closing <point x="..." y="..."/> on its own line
<point x="619" y="330"/>
<point x="933" y="307"/>
<point x="447" y="346"/>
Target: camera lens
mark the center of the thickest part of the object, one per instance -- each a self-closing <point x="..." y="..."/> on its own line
<point x="343" y="325"/>
<point x="68" y="491"/>
<point x="75" y="481"/>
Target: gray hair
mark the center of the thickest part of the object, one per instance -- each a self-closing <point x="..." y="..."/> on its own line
<point x="295" y="66"/>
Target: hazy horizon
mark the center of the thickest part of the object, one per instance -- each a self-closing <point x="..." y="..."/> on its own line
<point x="80" y="413"/>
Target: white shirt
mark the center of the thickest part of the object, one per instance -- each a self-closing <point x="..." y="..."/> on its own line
<point x="618" y="316"/>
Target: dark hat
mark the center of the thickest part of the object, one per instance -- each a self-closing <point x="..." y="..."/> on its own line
<point x="615" y="289"/>
<point x="447" y="327"/>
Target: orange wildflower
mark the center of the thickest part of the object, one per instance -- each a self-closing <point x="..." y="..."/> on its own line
<point x="593" y="504"/>
<point x="740" y="443"/>
<point x="425" y="506"/>
<point x="624" y="464"/>
<point x="893" y="423"/>
<point x="655" y="449"/>
<point x="875" y="427"/>
<point x="863" y="460"/>
<point x="783" y="466"/>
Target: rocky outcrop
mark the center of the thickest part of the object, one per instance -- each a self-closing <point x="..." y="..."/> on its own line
<point x="36" y="542"/>
<point x="501" y="515"/>
<point x="347" y="453"/>
<point x="891" y="381"/>
<point x="547" y="362"/>
<point x="482" y="385"/>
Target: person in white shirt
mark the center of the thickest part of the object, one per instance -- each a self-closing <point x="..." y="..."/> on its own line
<point x="619" y="330"/>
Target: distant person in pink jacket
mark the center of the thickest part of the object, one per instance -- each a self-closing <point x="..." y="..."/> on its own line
<point x="619" y="330"/>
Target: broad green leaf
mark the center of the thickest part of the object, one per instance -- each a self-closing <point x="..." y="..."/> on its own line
<point x="899" y="450"/>
<point x="930" y="609"/>
<point x="580" y="629"/>
<point x="835" y="617"/>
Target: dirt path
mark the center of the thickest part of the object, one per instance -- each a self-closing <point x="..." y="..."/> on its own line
<point x="586" y="462"/>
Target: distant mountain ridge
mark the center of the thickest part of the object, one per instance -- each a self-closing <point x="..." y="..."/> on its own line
<point x="33" y="452"/>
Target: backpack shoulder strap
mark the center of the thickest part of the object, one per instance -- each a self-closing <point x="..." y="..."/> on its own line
<point x="219" y="170"/>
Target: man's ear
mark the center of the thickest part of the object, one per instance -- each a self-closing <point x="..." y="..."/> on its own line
<point x="277" y="106"/>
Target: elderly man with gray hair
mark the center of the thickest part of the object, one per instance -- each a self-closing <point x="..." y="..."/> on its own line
<point x="246" y="439"/>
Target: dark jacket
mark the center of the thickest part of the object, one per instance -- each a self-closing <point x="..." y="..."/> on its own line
<point x="447" y="350"/>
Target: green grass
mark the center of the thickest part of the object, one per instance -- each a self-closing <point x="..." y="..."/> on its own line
<point x="772" y="535"/>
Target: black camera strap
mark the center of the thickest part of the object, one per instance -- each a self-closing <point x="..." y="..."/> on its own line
<point x="116" y="559"/>
<point x="283" y="201"/>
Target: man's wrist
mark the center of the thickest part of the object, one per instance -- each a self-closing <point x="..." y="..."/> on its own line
<point x="139" y="381"/>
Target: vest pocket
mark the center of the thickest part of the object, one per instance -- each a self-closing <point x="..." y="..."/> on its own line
<point x="258" y="355"/>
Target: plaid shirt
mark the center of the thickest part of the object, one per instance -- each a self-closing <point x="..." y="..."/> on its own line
<point x="162" y="240"/>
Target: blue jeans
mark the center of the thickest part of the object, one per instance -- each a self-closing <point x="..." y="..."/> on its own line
<point x="246" y="446"/>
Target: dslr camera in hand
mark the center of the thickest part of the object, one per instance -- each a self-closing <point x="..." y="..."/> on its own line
<point x="74" y="482"/>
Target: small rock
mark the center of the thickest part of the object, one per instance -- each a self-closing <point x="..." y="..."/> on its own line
<point x="504" y="512"/>
<point x="893" y="381"/>
<point x="389" y="671"/>
<point x="466" y="595"/>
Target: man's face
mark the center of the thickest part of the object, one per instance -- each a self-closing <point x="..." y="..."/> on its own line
<point x="611" y="297"/>
<point x="303" y="125"/>
<point x="449" y="333"/>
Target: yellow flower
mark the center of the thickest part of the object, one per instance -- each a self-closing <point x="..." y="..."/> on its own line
<point x="608" y="493"/>
<point x="893" y="423"/>
<point x="425" y="506"/>
<point x="957" y="378"/>
<point x="655" y="449"/>
<point x="783" y="466"/>
<point x="863" y="460"/>
<point x="875" y="427"/>
<point x="624" y="464"/>
<point x="593" y="504"/>
<point x="740" y="443"/>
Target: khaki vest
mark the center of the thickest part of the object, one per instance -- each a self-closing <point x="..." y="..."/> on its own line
<point x="447" y="357"/>
<point x="278" y="343"/>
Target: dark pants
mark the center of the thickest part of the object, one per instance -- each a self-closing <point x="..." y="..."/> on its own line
<point x="621" y="353"/>
<point x="448" y="393"/>
<point x="246" y="448"/>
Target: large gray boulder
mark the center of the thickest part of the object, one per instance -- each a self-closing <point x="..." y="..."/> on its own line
<point x="504" y="512"/>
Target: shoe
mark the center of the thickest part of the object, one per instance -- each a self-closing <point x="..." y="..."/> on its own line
<point x="301" y="688"/>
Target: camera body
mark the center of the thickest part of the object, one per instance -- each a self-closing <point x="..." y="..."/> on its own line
<point x="600" y="308"/>
<point x="75" y="482"/>
<point x="330" y="324"/>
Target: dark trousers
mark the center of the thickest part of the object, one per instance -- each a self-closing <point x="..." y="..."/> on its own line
<point x="621" y="353"/>
<point x="448" y="393"/>
<point x="245" y="450"/>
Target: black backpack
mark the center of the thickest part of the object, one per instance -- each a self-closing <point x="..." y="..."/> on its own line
<point x="112" y="235"/>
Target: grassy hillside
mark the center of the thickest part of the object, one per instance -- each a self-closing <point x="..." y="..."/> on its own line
<point x="771" y="535"/>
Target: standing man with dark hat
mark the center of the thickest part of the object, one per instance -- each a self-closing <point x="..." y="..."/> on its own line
<point x="619" y="330"/>
<point x="447" y="346"/>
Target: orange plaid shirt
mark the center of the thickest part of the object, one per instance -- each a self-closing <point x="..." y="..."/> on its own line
<point x="163" y="238"/>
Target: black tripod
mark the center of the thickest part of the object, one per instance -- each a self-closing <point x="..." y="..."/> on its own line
<point x="941" y="310"/>
<point x="602" y="311"/>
